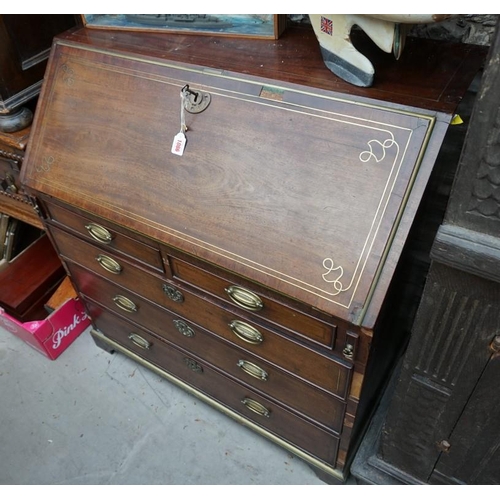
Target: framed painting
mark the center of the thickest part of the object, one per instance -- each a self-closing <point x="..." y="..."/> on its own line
<point x="269" y="26"/>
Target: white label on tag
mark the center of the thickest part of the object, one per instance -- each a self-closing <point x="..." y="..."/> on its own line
<point x="179" y="144"/>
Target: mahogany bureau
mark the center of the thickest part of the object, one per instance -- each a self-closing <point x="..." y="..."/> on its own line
<point x="252" y="269"/>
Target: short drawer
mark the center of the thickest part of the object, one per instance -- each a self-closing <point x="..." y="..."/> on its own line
<point x="257" y="300"/>
<point x="190" y="369"/>
<point x="107" y="235"/>
<point x="261" y="375"/>
<point x="320" y="369"/>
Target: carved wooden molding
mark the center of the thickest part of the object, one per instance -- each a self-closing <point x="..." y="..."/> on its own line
<point x="467" y="250"/>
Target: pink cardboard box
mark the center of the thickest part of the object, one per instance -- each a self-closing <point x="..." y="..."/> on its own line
<point x="55" y="333"/>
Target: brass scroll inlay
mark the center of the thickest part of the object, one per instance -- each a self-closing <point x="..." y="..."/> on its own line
<point x="256" y="407"/>
<point x="46" y="165"/>
<point x="125" y="304"/>
<point x="68" y="75"/>
<point x="377" y="149"/>
<point x="140" y="341"/>
<point x="253" y="370"/>
<point x="109" y="264"/>
<point x="246" y="332"/>
<point x="99" y="233"/>
<point x="244" y="298"/>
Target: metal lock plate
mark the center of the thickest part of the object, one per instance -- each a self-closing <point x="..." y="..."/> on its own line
<point x="195" y="101"/>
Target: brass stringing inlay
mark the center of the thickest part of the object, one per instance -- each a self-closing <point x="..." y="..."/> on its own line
<point x="377" y="151"/>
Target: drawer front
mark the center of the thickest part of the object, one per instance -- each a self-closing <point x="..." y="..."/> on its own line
<point x="262" y="376"/>
<point x="107" y="235"/>
<point x="320" y="369"/>
<point x="250" y="297"/>
<point x="193" y="371"/>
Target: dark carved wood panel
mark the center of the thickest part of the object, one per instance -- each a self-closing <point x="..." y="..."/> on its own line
<point x="449" y="348"/>
<point x="476" y="205"/>
<point x="474" y="454"/>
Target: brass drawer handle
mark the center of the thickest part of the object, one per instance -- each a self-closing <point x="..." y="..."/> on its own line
<point x="244" y="298"/>
<point x="184" y="328"/>
<point x="253" y="370"/>
<point x="125" y="304"/>
<point x="246" y="332"/>
<point x="109" y="264"/>
<point x="172" y="293"/>
<point x="99" y="233"/>
<point x="256" y="407"/>
<point x="140" y="341"/>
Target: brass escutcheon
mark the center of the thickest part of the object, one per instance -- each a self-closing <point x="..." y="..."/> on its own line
<point x="244" y="298"/>
<point x="183" y="328"/>
<point x="193" y="365"/>
<point x="172" y="293"/>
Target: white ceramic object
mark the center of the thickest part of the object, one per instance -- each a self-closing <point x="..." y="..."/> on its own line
<point x="388" y="31"/>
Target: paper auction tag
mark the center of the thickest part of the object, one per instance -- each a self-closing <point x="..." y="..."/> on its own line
<point x="179" y="144"/>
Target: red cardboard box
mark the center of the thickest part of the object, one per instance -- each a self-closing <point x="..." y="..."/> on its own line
<point x="52" y="335"/>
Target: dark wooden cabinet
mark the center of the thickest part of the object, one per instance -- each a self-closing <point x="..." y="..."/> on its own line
<point x="439" y="422"/>
<point x="254" y="270"/>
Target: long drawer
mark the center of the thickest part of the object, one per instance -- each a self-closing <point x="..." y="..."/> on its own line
<point x="253" y="298"/>
<point x="261" y="375"/>
<point x="321" y="369"/>
<point x="253" y="406"/>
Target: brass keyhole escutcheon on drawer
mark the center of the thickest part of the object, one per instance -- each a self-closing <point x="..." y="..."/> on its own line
<point x="109" y="264"/>
<point x="246" y="332"/>
<point x="172" y="293"/>
<point x="125" y="304"/>
<point x="256" y="407"/>
<point x="183" y="328"/>
<point x="140" y="341"/>
<point x="99" y="233"/>
<point x="244" y="298"/>
<point x="193" y="365"/>
<point x="253" y="370"/>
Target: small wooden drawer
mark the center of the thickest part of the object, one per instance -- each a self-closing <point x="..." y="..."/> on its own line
<point x="261" y="375"/>
<point x="107" y="235"/>
<point x="250" y="297"/>
<point x="320" y="369"/>
<point x="202" y="376"/>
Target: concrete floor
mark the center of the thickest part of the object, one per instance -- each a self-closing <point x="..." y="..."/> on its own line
<point x="90" y="417"/>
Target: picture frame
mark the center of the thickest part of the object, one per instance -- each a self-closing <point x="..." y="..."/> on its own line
<point x="266" y="26"/>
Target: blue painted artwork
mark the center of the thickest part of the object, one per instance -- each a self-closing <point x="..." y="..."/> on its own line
<point x="259" y="25"/>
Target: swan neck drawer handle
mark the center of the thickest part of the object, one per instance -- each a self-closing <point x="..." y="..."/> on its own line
<point x="125" y="304"/>
<point x="246" y="332"/>
<point x="140" y="341"/>
<point x="244" y="298"/>
<point x="253" y="370"/>
<point x="109" y="264"/>
<point x="256" y="407"/>
<point x="99" y="233"/>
